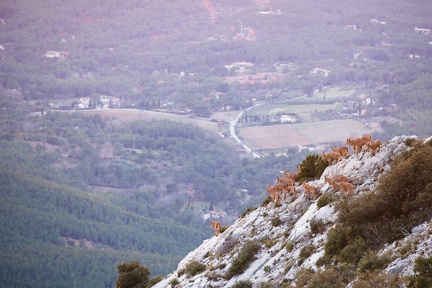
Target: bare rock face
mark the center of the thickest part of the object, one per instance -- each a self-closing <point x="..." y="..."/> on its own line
<point x="283" y="232"/>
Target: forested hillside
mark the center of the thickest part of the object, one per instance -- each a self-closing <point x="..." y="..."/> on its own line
<point x="57" y="236"/>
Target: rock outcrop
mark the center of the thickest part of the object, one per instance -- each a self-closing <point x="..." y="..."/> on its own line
<point x="283" y="232"/>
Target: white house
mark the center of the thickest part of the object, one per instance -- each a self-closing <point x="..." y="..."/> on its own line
<point x="320" y="71"/>
<point x="423" y="31"/>
<point x="287" y="119"/>
<point x="61" y="55"/>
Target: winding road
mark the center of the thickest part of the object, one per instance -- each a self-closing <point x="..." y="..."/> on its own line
<point x="234" y="135"/>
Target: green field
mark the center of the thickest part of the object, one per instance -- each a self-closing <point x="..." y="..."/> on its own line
<point x="272" y="109"/>
<point x="336" y="92"/>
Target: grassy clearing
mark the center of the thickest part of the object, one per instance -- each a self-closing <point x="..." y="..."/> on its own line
<point x="272" y="109"/>
<point x="336" y="92"/>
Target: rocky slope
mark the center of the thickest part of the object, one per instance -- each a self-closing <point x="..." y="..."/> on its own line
<point x="283" y="232"/>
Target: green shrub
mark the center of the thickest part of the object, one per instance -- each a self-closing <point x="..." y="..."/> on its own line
<point x="174" y="282"/>
<point x="244" y="258"/>
<point x="304" y="277"/>
<point x="267" y="268"/>
<point x="327" y="278"/>
<point x="223" y="228"/>
<point x="132" y="274"/>
<point x="378" y="279"/>
<point x="266" y="201"/>
<point x="422" y="273"/>
<point x="289" y="246"/>
<point x="317" y="226"/>
<point x="407" y="249"/>
<point x="276" y="221"/>
<point x="336" y="240"/>
<point x="249" y="210"/>
<point x="269" y="242"/>
<point x="325" y="199"/>
<point x="371" y="261"/>
<point x="153" y="281"/>
<point x="353" y="252"/>
<point x="194" y="268"/>
<point x="312" y="167"/>
<point x="288" y="266"/>
<point x="286" y="283"/>
<point x="324" y="260"/>
<point x="410" y="142"/>
<point x="212" y="276"/>
<point x="242" y="284"/>
<point x="305" y="252"/>
<point x="346" y="271"/>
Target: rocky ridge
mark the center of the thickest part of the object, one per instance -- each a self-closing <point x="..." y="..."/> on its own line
<point x="285" y="230"/>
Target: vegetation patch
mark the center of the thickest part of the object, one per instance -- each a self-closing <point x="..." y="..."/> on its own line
<point x="327" y="278"/>
<point x="243" y="284"/>
<point x="223" y="228"/>
<point x="269" y="242"/>
<point x="377" y="279"/>
<point x="244" y="258"/>
<point x="306" y="252"/>
<point x="193" y="268"/>
<point x="372" y="262"/>
<point x="326" y="199"/>
<point x="174" y="282"/>
<point x="132" y="274"/>
<point x="266" y="201"/>
<point x="312" y="167"/>
<point x="422" y="273"/>
<point x="317" y="226"/>
<point x="289" y="246"/>
<point x="249" y="210"/>
<point x="154" y="280"/>
<point x="276" y="221"/>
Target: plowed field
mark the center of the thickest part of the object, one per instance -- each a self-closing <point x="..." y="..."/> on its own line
<point x="303" y="134"/>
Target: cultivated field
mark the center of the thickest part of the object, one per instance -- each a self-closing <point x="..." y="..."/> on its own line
<point x="336" y="92"/>
<point x="303" y="134"/>
<point x="131" y="114"/>
<point x="272" y="109"/>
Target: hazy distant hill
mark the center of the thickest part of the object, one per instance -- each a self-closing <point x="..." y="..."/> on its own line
<point x="175" y="54"/>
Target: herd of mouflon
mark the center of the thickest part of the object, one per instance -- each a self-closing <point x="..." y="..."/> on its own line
<point x="287" y="183"/>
